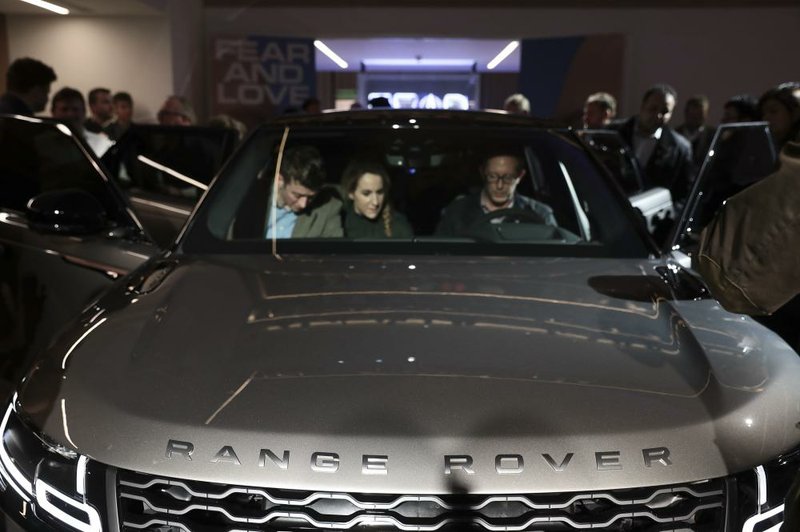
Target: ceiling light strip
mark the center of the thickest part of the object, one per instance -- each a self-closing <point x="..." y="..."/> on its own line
<point x="48" y="6"/>
<point x="510" y="47"/>
<point x="322" y="47"/>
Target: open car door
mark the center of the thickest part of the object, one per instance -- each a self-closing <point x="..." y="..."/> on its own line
<point x="165" y="169"/>
<point x="66" y="233"/>
<point x="740" y="155"/>
<point x="654" y="203"/>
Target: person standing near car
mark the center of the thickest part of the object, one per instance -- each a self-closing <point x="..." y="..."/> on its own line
<point x="748" y="253"/>
<point x="123" y="115"/>
<point x="501" y="172"/>
<point x="176" y="111"/>
<point x="101" y="111"/>
<point x="28" y="84"/>
<point x="599" y="110"/>
<point x="69" y="106"/>
<point x="780" y="106"/>
<point x="664" y="155"/>
<point x="696" y="129"/>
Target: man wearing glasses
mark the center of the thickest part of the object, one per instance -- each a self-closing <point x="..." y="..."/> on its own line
<point x="501" y="173"/>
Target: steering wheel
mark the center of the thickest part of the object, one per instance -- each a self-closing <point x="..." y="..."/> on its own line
<point x="511" y="215"/>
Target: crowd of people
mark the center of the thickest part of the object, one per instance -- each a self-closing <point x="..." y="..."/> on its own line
<point x="109" y="115"/>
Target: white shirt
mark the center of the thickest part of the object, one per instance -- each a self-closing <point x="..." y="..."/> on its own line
<point x="644" y="145"/>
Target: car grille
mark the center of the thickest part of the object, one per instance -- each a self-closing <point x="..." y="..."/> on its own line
<point x="162" y="504"/>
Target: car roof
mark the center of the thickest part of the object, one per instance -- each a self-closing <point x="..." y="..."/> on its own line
<point x="367" y="117"/>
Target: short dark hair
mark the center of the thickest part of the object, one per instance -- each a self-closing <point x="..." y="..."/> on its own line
<point x="304" y="166"/>
<point x="122" y="97"/>
<point x="605" y="100"/>
<point x="94" y="93"/>
<point x="65" y="94"/>
<point x="746" y="107"/>
<point x="26" y="73"/>
<point x="787" y="94"/>
<point x="660" y="88"/>
<point x="502" y="151"/>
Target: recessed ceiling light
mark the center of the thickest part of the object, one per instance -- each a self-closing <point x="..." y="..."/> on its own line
<point x="322" y="47"/>
<point x="510" y="47"/>
<point x="48" y="6"/>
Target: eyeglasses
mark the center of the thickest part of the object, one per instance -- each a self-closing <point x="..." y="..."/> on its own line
<point x="506" y="179"/>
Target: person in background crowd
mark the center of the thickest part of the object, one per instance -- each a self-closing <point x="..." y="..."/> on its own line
<point x="599" y="110"/>
<point x="228" y="122"/>
<point x="664" y="155"/>
<point x="695" y="128"/>
<point x="101" y="111"/>
<point x="368" y="213"/>
<point x="740" y="108"/>
<point x="27" y="87"/>
<point x="312" y="106"/>
<point x="780" y="106"/>
<point x="380" y="102"/>
<point x="176" y="111"/>
<point x="517" y="104"/>
<point x="123" y="115"/>
<point x="69" y="106"/>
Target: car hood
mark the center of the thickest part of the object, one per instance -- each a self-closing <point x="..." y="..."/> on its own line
<point x="495" y="375"/>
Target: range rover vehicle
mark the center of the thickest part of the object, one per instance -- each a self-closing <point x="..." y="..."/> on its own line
<point x="524" y="374"/>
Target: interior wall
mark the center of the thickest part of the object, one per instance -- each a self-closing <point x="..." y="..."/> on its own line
<point x="130" y="54"/>
<point x="718" y="52"/>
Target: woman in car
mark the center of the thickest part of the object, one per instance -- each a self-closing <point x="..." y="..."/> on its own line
<point x="368" y="214"/>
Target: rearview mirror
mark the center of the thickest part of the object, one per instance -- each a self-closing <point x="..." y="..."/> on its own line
<point x="71" y="211"/>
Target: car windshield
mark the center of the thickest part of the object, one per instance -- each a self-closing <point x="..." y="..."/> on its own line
<point x="411" y="185"/>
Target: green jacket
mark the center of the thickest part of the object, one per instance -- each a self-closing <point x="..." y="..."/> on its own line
<point x="323" y="220"/>
<point x="357" y="226"/>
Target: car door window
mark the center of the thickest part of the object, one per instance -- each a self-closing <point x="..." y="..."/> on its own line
<point x="39" y="156"/>
<point x="740" y="155"/>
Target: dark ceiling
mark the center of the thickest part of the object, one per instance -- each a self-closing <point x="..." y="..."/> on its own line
<point x="483" y="4"/>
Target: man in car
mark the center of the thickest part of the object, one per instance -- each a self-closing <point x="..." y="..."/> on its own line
<point x="302" y="208"/>
<point x="665" y="155"/>
<point x="501" y="172"/>
<point x="27" y="87"/>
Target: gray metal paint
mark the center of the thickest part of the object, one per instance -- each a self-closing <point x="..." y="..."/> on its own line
<point x="331" y="360"/>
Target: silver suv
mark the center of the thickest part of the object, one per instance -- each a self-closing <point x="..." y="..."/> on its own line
<point x="299" y="360"/>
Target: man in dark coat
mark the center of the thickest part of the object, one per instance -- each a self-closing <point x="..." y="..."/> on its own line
<point x="664" y="155"/>
<point x="27" y="87"/>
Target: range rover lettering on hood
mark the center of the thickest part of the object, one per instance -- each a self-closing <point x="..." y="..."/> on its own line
<point x="377" y="464"/>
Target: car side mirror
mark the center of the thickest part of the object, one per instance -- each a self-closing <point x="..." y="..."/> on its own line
<point x="71" y="212"/>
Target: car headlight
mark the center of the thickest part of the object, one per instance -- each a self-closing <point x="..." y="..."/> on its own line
<point x="766" y="498"/>
<point x="49" y="479"/>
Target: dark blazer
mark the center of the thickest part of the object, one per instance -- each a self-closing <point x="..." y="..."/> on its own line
<point x="670" y="165"/>
<point x="13" y="105"/>
<point x="464" y="211"/>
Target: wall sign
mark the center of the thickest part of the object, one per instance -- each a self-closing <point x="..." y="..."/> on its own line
<point x="254" y="78"/>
